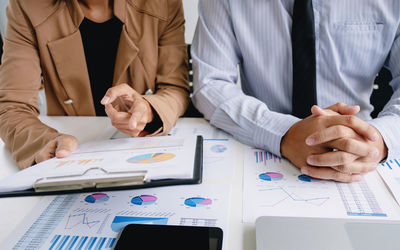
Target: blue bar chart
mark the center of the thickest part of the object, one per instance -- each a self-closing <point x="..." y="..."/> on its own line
<point x="61" y="242"/>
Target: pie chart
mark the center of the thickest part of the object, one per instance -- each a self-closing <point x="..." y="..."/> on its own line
<point x="151" y="158"/>
<point x="198" y="202"/>
<point x="144" y="200"/>
<point x="307" y="178"/>
<point x="97" y="198"/>
<point x="271" y="176"/>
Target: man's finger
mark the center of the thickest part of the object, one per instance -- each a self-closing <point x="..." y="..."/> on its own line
<point x="334" y="158"/>
<point x="355" y="147"/>
<point x="329" y="134"/>
<point x="330" y="174"/>
<point x="356" y="167"/>
<point x="359" y="126"/>
<point x="66" y="144"/>
<point x="340" y="108"/>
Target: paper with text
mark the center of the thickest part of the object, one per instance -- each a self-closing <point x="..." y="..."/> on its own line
<point x="274" y="187"/>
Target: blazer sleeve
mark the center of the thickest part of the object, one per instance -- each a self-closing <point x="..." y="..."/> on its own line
<point x="171" y="97"/>
<point x="20" y="81"/>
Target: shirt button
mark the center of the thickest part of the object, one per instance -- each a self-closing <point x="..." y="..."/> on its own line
<point x="69" y="101"/>
<point x="149" y="92"/>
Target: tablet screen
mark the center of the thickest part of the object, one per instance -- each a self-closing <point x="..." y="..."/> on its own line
<point x="169" y="237"/>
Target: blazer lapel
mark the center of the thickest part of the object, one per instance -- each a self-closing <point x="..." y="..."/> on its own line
<point x="127" y="52"/>
<point x="69" y="58"/>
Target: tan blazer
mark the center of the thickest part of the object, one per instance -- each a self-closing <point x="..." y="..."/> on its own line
<point x="43" y="48"/>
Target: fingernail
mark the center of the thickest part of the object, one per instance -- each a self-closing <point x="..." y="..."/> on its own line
<point x="375" y="137"/>
<point x="374" y="153"/>
<point x="105" y="100"/>
<point x="310" y="141"/>
<point x="304" y="171"/>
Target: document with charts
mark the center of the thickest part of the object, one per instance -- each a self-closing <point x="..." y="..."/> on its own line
<point x="390" y="172"/>
<point x="151" y="158"/>
<point x="273" y="186"/>
<point x="93" y="220"/>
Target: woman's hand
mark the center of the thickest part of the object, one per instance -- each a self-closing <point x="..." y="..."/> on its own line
<point x="60" y="147"/>
<point x="139" y="112"/>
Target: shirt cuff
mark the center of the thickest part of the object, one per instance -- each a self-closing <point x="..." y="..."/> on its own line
<point x="268" y="135"/>
<point x="388" y="126"/>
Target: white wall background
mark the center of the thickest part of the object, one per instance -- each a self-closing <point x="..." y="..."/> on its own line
<point x="191" y="15"/>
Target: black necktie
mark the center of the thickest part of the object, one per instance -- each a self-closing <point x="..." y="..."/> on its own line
<point x="304" y="65"/>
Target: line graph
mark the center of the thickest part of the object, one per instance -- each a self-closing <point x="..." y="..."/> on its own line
<point x="74" y="220"/>
<point x="279" y="194"/>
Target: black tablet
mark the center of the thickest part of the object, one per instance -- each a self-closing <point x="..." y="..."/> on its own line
<point x="149" y="237"/>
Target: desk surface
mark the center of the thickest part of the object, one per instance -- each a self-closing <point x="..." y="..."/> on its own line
<point x="13" y="210"/>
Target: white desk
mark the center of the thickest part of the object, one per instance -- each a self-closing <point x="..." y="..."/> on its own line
<point x="13" y="210"/>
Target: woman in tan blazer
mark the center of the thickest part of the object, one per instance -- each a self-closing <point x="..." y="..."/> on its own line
<point x="76" y="50"/>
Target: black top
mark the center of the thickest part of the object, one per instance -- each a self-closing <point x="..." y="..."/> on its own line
<point x="100" y="42"/>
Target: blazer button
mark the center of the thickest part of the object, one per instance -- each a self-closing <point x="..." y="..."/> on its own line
<point x="149" y="92"/>
<point x="69" y="101"/>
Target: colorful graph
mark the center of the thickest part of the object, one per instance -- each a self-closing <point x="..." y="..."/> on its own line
<point x="307" y="178"/>
<point x="281" y="194"/>
<point x="271" y="176"/>
<point x="198" y="202"/>
<point x="97" y="198"/>
<point x="120" y="222"/>
<point x="144" y="200"/>
<point x="74" y="220"/>
<point x="218" y="148"/>
<point x="81" y="242"/>
<point x="151" y="158"/>
<point x="264" y="157"/>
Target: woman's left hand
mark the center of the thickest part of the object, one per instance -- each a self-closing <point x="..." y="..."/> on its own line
<point x="139" y="112"/>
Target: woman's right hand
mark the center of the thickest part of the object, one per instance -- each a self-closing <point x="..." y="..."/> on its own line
<point x="60" y="147"/>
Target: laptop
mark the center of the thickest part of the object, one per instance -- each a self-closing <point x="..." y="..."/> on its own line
<point x="297" y="233"/>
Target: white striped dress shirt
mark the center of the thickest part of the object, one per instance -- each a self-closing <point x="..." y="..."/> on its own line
<point x="354" y="39"/>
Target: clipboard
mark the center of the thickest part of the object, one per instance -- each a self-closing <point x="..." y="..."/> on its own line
<point x="112" y="182"/>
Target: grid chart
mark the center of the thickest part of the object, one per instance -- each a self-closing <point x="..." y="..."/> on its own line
<point x="359" y="200"/>
<point x="80" y="242"/>
<point x="44" y="225"/>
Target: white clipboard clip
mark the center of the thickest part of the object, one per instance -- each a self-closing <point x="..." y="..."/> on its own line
<point x="95" y="177"/>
